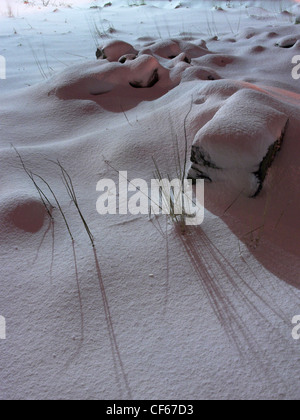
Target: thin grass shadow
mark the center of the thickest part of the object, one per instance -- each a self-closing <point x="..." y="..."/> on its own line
<point x="42" y="241"/>
<point x="79" y="292"/>
<point x="220" y="283"/>
<point x="50" y="225"/>
<point x="112" y="336"/>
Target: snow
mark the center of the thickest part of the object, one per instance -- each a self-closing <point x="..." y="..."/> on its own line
<point x="149" y="313"/>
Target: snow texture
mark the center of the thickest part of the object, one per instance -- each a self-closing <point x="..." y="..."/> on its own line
<point x="150" y="313"/>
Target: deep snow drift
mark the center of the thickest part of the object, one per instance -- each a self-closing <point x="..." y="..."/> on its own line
<point x="150" y="312"/>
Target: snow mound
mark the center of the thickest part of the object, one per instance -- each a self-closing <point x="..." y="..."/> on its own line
<point x="113" y="86"/>
<point x="240" y="142"/>
<point x="123" y="76"/>
<point x="200" y="73"/>
<point x="22" y="212"/>
<point x="172" y="48"/>
<point x="287" y="42"/>
<point x="113" y="50"/>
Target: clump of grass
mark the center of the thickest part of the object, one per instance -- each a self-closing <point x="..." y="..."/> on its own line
<point x="68" y="183"/>
<point x="172" y="198"/>
<point x="137" y="3"/>
<point x="44" y="198"/>
<point x="175" y="201"/>
<point x="45" y="71"/>
<point x="100" y="30"/>
<point x="212" y="29"/>
<point x="58" y="204"/>
<point x="10" y="12"/>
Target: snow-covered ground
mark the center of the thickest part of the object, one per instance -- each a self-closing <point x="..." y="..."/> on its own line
<point x="150" y="312"/>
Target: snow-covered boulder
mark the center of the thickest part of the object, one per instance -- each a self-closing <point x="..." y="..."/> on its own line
<point x="114" y="50"/>
<point x="172" y="48"/>
<point x="287" y="42"/>
<point x="114" y="86"/>
<point x="238" y="145"/>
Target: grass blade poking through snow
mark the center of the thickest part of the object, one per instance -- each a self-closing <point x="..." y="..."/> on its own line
<point x="42" y="195"/>
<point x="44" y="199"/>
<point x="57" y="202"/>
<point x="171" y="199"/>
<point x="67" y="180"/>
